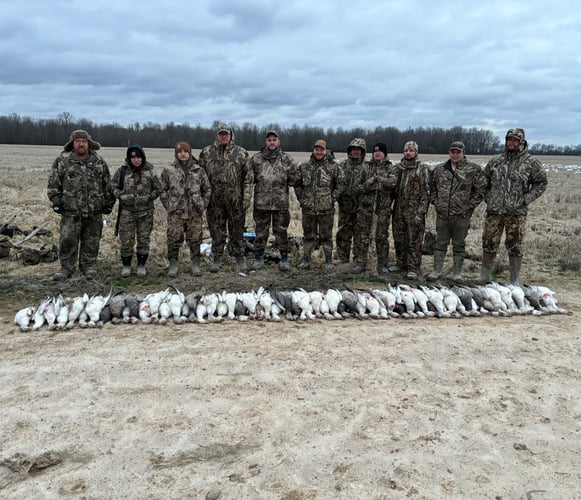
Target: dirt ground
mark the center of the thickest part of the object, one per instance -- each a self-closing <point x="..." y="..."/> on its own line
<point x="434" y="408"/>
<point x="478" y="408"/>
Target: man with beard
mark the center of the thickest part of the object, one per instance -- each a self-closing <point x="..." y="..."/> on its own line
<point x="79" y="189"/>
<point x="273" y="171"/>
<point x="457" y="187"/>
<point x="348" y="199"/>
<point x="185" y="194"/>
<point x="317" y="187"/>
<point x="228" y="168"/>
<point x="376" y="182"/>
<point x="514" y="180"/>
<point x="412" y="196"/>
<point x="136" y="185"/>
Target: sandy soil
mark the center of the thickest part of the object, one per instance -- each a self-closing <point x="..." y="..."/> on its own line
<point x="469" y="408"/>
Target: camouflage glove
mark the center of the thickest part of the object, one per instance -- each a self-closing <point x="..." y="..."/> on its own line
<point x="58" y="208"/>
<point x="127" y="199"/>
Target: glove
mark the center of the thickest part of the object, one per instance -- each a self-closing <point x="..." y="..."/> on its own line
<point x="58" y="208"/>
<point x="127" y="198"/>
<point x="107" y="210"/>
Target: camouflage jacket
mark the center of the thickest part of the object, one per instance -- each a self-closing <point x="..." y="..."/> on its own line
<point x="376" y="182"/>
<point x="229" y="172"/>
<point x="184" y="196"/>
<point x="350" y="171"/>
<point x="513" y="181"/>
<point x="82" y="187"/>
<point x="455" y="194"/>
<point x="272" y="180"/>
<point x="412" y="191"/>
<point x="318" y="186"/>
<point x="139" y="188"/>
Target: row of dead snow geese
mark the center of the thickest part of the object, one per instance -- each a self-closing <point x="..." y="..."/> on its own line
<point x="395" y="301"/>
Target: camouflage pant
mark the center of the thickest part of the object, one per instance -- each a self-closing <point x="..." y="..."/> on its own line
<point x="495" y="225"/>
<point x="346" y="231"/>
<point x="452" y="229"/>
<point x="79" y="238"/>
<point x="320" y="225"/>
<point x="280" y="220"/>
<point x="363" y="232"/>
<point x="135" y="226"/>
<point x="408" y="236"/>
<point x="226" y="219"/>
<point x="179" y="229"/>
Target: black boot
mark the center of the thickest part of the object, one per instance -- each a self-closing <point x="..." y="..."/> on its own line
<point x="141" y="260"/>
<point x="283" y="265"/>
<point x="217" y="264"/>
<point x="258" y="259"/>
<point x="126" y="270"/>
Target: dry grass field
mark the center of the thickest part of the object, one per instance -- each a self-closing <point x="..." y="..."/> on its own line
<point x="467" y="408"/>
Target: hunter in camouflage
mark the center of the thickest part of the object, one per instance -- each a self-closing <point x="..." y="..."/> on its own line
<point x="457" y="187"/>
<point x="349" y="199"/>
<point x="229" y="171"/>
<point x="136" y="186"/>
<point x="317" y="188"/>
<point x="273" y="171"/>
<point x="514" y="180"/>
<point x="185" y="194"/>
<point x="377" y="179"/>
<point x="412" y="197"/>
<point x="79" y="189"/>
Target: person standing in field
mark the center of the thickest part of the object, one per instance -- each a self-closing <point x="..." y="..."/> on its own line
<point x="514" y="180"/>
<point x="273" y="171"/>
<point x="228" y="168"/>
<point x="412" y="197"/>
<point x="136" y="186"/>
<point x="79" y="189"/>
<point x="317" y="188"/>
<point x="457" y="187"/>
<point x="349" y="199"/>
<point x="185" y="194"/>
<point x="375" y="185"/>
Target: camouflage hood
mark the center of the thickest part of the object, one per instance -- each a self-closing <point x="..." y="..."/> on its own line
<point x="357" y="143"/>
<point x="517" y="133"/>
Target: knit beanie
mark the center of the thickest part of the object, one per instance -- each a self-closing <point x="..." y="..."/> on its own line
<point x="382" y="147"/>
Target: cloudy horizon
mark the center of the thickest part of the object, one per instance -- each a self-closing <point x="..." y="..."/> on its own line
<point x="327" y="64"/>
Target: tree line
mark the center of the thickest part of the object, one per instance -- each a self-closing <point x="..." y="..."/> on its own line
<point x="15" y="129"/>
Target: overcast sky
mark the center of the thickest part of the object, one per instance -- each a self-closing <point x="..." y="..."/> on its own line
<point x="406" y="63"/>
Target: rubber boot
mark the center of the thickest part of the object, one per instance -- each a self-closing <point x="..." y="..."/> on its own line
<point x="457" y="264"/>
<point x="439" y="256"/>
<point x="240" y="263"/>
<point x="196" y="271"/>
<point x="329" y="261"/>
<point x="306" y="262"/>
<point x="141" y="260"/>
<point x="514" y="263"/>
<point x="258" y="259"/>
<point x="486" y="269"/>
<point x="126" y="269"/>
<point x="217" y="264"/>
<point x="283" y="265"/>
<point x="173" y="268"/>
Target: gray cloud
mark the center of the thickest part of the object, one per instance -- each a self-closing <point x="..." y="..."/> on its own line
<point x="329" y="64"/>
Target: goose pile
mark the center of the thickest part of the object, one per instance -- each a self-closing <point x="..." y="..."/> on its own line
<point x="395" y="301"/>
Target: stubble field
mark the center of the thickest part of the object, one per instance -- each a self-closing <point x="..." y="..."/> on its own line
<point x="468" y="408"/>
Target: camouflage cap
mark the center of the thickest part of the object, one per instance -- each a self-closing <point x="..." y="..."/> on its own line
<point x="81" y="134"/>
<point x="272" y="132"/>
<point x="411" y="145"/>
<point x="223" y="128"/>
<point x="517" y="133"/>
<point x="320" y="143"/>
<point x="457" y="145"/>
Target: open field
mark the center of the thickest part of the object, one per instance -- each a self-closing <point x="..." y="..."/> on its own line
<point x="467" y="408"/>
